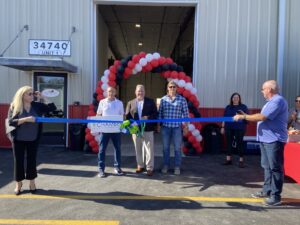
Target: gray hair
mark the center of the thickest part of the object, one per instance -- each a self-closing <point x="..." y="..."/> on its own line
<point x="272" y="84"/>
<point x="140" y="86"/>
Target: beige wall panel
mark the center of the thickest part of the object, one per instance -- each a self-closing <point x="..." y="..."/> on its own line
<point x="291" y="80"/>
<point x="48" y="19"/>
<point x="237" y="49"/>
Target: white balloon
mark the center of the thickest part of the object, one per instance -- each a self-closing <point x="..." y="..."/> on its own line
<point x="181" y="83"/>
<point x="188" y="86"/>
<point x="138" y="67"/>
<point x="106" y="72"/>
<point x="104" y="79"/>
<point x="199" y="138"/>
<point x="89" y="125"/>
<point x="194" y="91"/>
<point x="191" y="127"/>
<point x="149" y="57"/>
<point x="134" y="71"/>
<point x="169" y="79"/>
<point x="104" y="87"/>
<point x="143" y="62"/>
<point x="196" y="132"/>
<point x="175" y="81"/>
<point x="156" y="55"/>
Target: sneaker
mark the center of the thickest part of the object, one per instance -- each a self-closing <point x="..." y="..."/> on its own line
<point x="227" y="162"/>
<point x="260" y="194"/>
<point x="177" y="171"/>
<point x="140" y="170"/>
<point x="165" y="169"/>
<point x="119" y="172"/>
<point x="101" y="174"/>
<point x="272" y="202"/>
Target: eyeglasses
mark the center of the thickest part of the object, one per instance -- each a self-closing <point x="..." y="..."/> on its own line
<point x="298" y="101"/>
<point x="172" y="87"/>
<point x="30" y="94"/>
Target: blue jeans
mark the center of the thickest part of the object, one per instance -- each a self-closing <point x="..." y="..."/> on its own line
<point x="116" y="139"/>
<point x="272" y="163"/>
<point x="173" y="134"/>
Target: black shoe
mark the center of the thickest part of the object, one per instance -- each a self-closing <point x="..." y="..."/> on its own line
<point x="227" y="162"/>
<point x="32" y="189"/>
<point x="260" y="194"/>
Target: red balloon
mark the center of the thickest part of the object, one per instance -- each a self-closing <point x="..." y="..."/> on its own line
<point x="88" y="137"/>
<point x="185" y="150"/>
<point x="95" y="149"/>
<point x="99" y="90"/>
<point x="181" y="75"/>
<point x="112" y="83"/>
<point x="162" y="60"/>
<point x="113" y="69"/>
<point x="169" y="60"/>
<point x="191" y="115"/>
<point x="148" y="67"/>
<point x="199" y="149"/>
<point x="87" y="130"/>
<point x="135" y="58"/>
<point x="186" y="93"/>
<point x="100" y="83"/>
<point x="191" y="138"/>
<point x="142" y="54"/>
<point x="100" y="97"/>
<point x="180" y="90"/>
<point x="154" y="63"/>
<point x="167" y="74"/>
<point x="192" y="98"/>
<point x="128" y="71"/>
<point x="117" y="63"/>
<point x="131" y="64"/>
<point x="91" y="113"/>
<point x="112" y="76"/>
<point x="174" y="74"/>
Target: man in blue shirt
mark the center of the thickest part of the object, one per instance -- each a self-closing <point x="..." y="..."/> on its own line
<point x="272" y="135"/>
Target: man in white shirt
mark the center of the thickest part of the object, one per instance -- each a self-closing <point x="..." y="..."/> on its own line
<point x="108" y="107"/>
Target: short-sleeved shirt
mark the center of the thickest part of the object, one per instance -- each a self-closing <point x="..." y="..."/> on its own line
<point x="230" y="111"/>
<point x="110" y="108"/>
<point x="274" y="128"/>
<point x="173" y="109"/>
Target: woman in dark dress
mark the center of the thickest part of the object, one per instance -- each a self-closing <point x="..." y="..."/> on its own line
<point x="25" y="136"/>
<point x="235" y="131"/>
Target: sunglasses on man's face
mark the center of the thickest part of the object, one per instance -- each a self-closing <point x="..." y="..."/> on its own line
<point x="172" y="87"/>
<point x="298" y="101"/>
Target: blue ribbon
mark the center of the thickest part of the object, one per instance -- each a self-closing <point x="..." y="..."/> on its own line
<point x="66" y="120"/>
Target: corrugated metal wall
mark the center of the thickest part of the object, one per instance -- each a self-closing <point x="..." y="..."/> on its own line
<point x="291" y="82"/>
<point x="47" y="19"/>
<point x="237" y="49"/>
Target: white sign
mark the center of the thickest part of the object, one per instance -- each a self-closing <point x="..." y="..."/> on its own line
<point x="49" y="47"/>
<point x="50" y="93"/>
<point x="106" y="127"/>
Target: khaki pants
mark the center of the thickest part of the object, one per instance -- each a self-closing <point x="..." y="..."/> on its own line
<point x="144" y="150"/>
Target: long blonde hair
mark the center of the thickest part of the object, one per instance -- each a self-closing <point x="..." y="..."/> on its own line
<point x="17" y="103"/>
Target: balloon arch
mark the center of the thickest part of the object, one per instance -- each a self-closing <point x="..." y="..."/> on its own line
<point x="154" y="63"/>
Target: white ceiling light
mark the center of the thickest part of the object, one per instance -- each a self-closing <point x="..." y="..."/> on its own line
<point x="140" y="44"/>
<point x="137" y="25"/>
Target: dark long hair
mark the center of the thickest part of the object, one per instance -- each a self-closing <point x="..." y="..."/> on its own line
<point x="240" y="99"/>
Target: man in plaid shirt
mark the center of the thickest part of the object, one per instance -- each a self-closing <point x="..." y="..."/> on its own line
<point x="172" y="106"/>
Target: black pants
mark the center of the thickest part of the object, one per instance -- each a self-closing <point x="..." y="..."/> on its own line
<point x="19" y="150"/>
<point x="238" y="135"/>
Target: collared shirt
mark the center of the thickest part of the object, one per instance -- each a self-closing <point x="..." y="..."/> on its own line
<point x="140" y="105"/>
<point x="173" y="109"/>
<point x="109" y="108"/>
<point x="274" y="128"/>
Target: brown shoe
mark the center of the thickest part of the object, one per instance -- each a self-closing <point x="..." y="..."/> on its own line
<point x="139" y="170"/>
<point x="149" y="173"/>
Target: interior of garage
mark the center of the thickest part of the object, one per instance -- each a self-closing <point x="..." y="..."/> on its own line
<point x="124" y="30"/>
